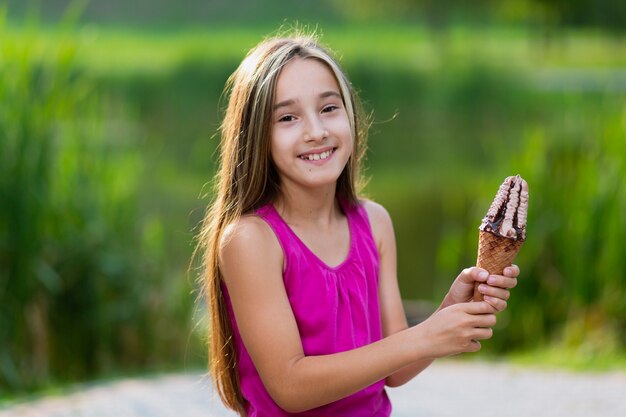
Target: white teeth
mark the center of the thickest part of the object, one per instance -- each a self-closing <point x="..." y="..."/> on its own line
<point x="317" y="156"/>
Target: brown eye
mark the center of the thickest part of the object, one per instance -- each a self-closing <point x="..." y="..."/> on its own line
<point x="287" y="118"/>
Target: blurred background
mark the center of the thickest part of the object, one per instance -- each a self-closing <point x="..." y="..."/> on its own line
<point x="108" y="120"/>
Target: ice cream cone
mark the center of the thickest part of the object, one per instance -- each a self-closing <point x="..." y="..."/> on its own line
<point x="503" y="229"/>
<point x="494" y="254"/>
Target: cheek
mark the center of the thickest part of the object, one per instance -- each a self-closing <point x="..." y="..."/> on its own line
<point x="274" y="153"/>
<point x="278" y="148"/>
<point x="342" y="127"/>
<point x="348" y="138"/>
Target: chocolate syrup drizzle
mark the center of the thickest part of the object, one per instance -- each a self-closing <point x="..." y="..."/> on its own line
<point x="512" y="187"/>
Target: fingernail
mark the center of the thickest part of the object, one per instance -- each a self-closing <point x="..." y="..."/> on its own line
<point x="483" y="274"/>
<point x="482" y="287"/>
<point x="491" y="280"/>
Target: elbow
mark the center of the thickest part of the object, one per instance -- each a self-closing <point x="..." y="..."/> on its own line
<point x="288" y="398"/>
<point x="289" y="402"/>
<point x="294" y="410"/>
<point x="394" y="382"/>
<point x="289" y="392"/>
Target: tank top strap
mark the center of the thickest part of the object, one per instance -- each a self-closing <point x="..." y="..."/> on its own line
<point x="361" y="236"/>
<point x="286" y="238"/>
<point x="357" y="219"/>
<point x="362" y="230"/>
<point x="357" y="215"/>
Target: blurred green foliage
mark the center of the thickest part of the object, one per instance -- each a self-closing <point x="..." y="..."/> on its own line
<point x="572" y="293"/>
<point x="108" y="139"/>
<point x="83" y="284"/>
<point x="437" y="14"/>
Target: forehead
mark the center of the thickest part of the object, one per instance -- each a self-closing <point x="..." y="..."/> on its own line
<point x="302" y="76"/>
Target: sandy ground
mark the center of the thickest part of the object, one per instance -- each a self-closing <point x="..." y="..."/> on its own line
<point x="447" y="388"/>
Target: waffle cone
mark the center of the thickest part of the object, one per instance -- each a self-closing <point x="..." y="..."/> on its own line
<point x="494" y="254"/>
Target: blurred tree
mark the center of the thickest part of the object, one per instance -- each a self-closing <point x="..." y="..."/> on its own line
<point x="610" y="14"/>
<point x="436" y="14"/>
<point x="182" y="12"/>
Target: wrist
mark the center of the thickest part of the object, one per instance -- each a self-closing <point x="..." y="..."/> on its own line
<point x="422" y="348"/>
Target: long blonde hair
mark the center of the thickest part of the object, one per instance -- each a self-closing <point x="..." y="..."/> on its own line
<point x="247" y="179"/>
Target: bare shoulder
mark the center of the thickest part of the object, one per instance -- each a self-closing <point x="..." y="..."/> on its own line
<point x="249" y="241"/>
<point x="380" y="221"/>
<point x="376" y="211"/>
<point x="248" y="229"/>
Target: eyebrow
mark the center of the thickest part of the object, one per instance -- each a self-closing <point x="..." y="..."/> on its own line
<point x="325" y="94"/>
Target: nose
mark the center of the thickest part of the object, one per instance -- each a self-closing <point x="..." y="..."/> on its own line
<point x="315" y="130"/>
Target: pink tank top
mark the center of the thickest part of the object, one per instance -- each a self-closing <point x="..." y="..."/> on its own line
<point x="336" y="309"/>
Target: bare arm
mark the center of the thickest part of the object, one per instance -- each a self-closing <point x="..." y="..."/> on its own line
<point x="251" y="262"/>
<point x="392" y="312"/>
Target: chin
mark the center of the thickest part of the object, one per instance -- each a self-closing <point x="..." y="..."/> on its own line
<point x="321" y="181"/>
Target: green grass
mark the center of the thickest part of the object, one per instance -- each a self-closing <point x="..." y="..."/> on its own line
<point x="555" y="358"/>
<point x="107" y="50"/>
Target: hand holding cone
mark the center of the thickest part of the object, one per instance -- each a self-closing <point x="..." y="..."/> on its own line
<point x="503" y="230"/>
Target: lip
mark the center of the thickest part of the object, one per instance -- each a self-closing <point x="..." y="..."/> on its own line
<point x="330" y="149"/>
<point x="319" y="150"/>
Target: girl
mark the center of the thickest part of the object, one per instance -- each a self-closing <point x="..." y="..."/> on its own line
<point x="300" y="274"/>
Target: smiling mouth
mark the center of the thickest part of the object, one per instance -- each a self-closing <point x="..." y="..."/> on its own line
<point x="317" y="156"/>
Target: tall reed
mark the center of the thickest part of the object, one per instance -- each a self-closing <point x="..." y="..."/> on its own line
<point x="83" y="286"/>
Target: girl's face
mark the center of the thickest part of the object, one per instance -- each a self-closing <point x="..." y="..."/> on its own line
<point x="311" y="139"/>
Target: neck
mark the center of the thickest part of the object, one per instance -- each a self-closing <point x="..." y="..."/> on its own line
<point x="299" y="206"/>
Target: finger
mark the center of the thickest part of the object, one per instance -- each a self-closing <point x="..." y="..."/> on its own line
<point x="502" y="281"/>
<point x="484" y="321"/>
<point x="474" y="308"/>
<point x="495" y="292"/>
<point x="474" y="346"/>
<point x="482" y="334"/>
<point x="469" y="275"/>
<point x="511" y="271"/>
<point x="497" y="303"/>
